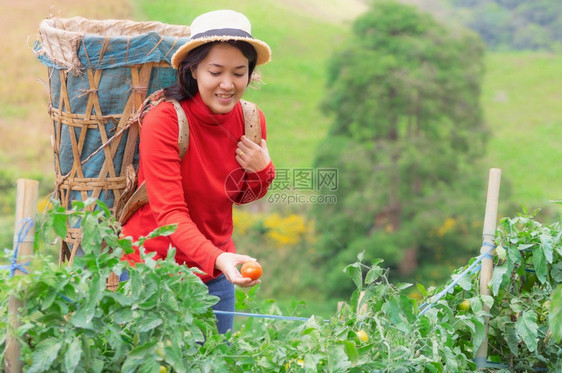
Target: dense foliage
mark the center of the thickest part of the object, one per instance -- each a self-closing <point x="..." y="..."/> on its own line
<point x="513" y="24"/>
<point x="406" y="139"/>
<point x="160" y="320"/>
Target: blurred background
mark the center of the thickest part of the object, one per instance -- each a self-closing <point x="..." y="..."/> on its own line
<point x="384" y="119"/>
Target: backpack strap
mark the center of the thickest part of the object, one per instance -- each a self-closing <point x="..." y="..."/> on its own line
<point x="140" y="196"/>
<point x="252" y="125"/>
<point x="252" y="129"/>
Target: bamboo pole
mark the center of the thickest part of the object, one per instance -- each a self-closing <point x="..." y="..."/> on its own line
<point x="26" y="207"/>
<point x="360" y="310"/>
<point x="488" y="234"/>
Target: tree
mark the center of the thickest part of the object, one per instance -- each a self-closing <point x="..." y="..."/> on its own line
<point x="407" y="133"/>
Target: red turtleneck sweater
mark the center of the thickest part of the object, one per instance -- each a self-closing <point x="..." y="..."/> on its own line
<point x="196" y="193"/>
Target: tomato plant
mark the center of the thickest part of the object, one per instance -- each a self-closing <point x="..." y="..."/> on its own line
<point x="251" y="269"/>
<point x="161" y="316"/>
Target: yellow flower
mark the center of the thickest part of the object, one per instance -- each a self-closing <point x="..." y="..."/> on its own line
<point x="448" y="224"/>
<point x="286" y="230"/>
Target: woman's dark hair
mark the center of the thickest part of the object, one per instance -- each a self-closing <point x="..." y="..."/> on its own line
<point x="186" y="86"/>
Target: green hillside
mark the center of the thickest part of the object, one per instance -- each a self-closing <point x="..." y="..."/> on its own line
<point x="521" y="94"/>
<point x="521" y="100"/>
<point x="293" y="83"/>
<point x="520" y="97"/>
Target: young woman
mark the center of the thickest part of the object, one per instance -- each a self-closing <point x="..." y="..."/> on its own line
<point x="221" y="166"/>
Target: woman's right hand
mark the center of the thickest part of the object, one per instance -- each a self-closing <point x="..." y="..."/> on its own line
<point x="227" y="263"/>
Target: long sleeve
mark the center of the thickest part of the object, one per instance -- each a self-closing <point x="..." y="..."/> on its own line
<point x="161" y="167"/>
<point x="197" y="192"/>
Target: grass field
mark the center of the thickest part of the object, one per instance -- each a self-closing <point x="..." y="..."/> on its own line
<point x="521" y="101"/>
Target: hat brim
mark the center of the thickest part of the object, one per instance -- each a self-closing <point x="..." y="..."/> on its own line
<point x="262" y="49"/>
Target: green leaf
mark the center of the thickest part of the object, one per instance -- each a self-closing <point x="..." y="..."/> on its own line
<point x="392" y="309"/>
<point x="338" y="360"/>
<point x="44" y="355"/>
<point x="149" y="322"/>
<point x="59" y="224"/>
<point x="115" y="338"/>
<point x="498" y="278"/>
<point x="137" y="356"/>
<point x="73" y="355"/>
<point x="555" y="314"/>
<point x="165" y="230"/>
<point x="354" y="271"/>
<point x="104" y="208"/>
<point x="465" y="282"/>
<point x="91" y="237"/>
<point x="89" y="201"/>
<point x="403" y="285"/>
<point x="546" y="245"/>
<point x="422" y="290"/>
<point x="361" y="255"/>
<point x="501" y="252"/>
<point x="488" y="300"/>
<point x="123" y="315"/>
<point x="539" y="261"/>
<point x="450" y="359"/>
<point x="373" y="274"/>
<point x="511" y="338"/>
<point x="149" y="366"/>
<point x="126" y="244"/>
<point x="174" y="358"/>
<point x="514" y="258"/>
<point x="479" y="332"/>
<point x="351" y="351"/>
<point x="556" y="272"/>
<point x="527" y="329"/>
<point x="83" y="317"/>
<point x="97" y="366"/>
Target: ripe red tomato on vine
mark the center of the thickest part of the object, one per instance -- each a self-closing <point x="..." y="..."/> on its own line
<point x="251" y="270"/>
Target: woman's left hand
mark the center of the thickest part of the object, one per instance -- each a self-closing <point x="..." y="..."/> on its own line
<point x="251" y="156"/>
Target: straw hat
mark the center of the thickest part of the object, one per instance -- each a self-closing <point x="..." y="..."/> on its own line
<point x="221" y="25"/>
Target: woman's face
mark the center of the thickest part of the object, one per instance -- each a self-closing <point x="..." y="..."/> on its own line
<point x="222" y="78"/>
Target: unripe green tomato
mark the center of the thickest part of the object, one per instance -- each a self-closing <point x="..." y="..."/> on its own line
<point x="464" y="305"/>
<point x="362" y="335"/>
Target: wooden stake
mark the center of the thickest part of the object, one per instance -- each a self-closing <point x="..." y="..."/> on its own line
<point x="487" y="268"/>
<point x="26" y="207"/>
<point x="360" y="310"/>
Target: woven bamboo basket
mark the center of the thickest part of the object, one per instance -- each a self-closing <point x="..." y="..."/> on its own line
<point x="100" y="72"/>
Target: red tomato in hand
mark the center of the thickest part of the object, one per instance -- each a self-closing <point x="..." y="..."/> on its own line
<point x="251" y="270"/>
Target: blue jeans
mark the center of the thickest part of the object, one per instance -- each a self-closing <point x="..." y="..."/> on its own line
<point x="224" y="289"/>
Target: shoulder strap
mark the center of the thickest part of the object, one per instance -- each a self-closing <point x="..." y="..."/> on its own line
<point x="140" y="196"/>
<point x="252" y="129"/>
<point x="183" y="130"/>
<point x="252" y="125"/>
